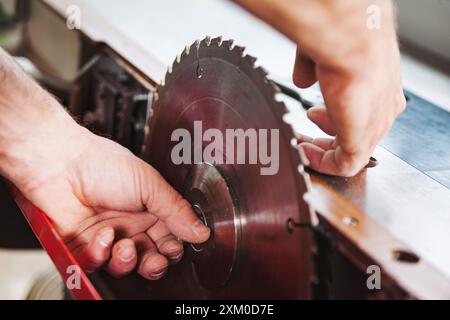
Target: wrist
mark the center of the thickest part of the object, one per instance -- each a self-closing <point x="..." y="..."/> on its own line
<point x="40" y="148"/>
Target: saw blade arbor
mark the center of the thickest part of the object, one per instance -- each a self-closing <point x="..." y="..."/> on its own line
<point x="217" y="135"/>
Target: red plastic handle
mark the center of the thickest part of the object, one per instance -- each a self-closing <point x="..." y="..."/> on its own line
<point x="57" y="250"/>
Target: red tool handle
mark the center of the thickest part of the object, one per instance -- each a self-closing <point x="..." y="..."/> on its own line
<point x="57" y="250"/>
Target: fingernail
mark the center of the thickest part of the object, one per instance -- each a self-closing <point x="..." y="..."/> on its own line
<point x="176" y="256"/>
<point x="199" y="228"/>
<point x="156" y="276"/>
<point x="127" y="254"/>
<point x="107" y="238"/>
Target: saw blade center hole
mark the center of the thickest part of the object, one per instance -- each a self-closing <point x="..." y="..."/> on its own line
<point x="211" y="197"/>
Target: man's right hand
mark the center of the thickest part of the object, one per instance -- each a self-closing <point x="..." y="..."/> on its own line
<point x="358" y="69"/>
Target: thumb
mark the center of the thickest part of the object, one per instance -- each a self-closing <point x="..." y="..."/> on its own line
<point x="170" y="207"/>
<point x="320" y="117"/>
<point x="304" y="71"/>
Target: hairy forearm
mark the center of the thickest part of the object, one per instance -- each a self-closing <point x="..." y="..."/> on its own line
<point x="328" y="31"/>
<point x="286" y="16"/>
<point x="32" y="124"/>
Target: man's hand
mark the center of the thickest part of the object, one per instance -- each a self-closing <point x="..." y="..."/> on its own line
<point x="112" y="209"/>
<point x="358" y="69"/>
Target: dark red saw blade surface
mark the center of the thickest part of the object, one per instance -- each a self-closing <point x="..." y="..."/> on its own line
<point x="270" y="261"/>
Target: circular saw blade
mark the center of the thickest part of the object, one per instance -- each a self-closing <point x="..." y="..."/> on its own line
<point x="256" y="249"/>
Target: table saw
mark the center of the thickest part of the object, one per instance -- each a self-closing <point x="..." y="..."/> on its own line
<point x="135" y="72"/>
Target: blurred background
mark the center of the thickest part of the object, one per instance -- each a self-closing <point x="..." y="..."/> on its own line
<point x="54" y="55"/>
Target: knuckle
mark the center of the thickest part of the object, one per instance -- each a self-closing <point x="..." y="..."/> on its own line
<point x="350" y="171"/>
<point x="95" y="260"/>
<point x="349" y="166"/>
<point x="181" y="204"/>
<point x="380" y="133"/>
<point x="350" y="148"/>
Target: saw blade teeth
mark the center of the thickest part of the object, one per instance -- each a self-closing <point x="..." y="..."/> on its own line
<point x="228" y="44"/>
<point x="275" y="88"/>
<point x="262" y="72"/>
<point x="197" y="44"/>
<point x="146" y="130"/>
<point x="184" y="53"/>
<point x="286" y="119"/>
<point x="285" y="113"/>
<point x="217" y="42"/>
<point x="251" y="59"/>
<point x="303" y="158"/>
<point x="168" y="74"/>
<point x="309" y="186"/>
<point x="155" y="97"/>
<point x="240" y="50"/>
<point x="278" y="96"/>
<point x="206" y="41"/>
<point x="189" y="61"/>
<point x="150" y="114"/>
<point x="301" y="169"/>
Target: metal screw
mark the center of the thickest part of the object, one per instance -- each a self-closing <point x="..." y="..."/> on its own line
<point x="350" y="221"/>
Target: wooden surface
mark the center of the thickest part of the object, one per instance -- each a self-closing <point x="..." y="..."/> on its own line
<point x="404" y="205"/>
